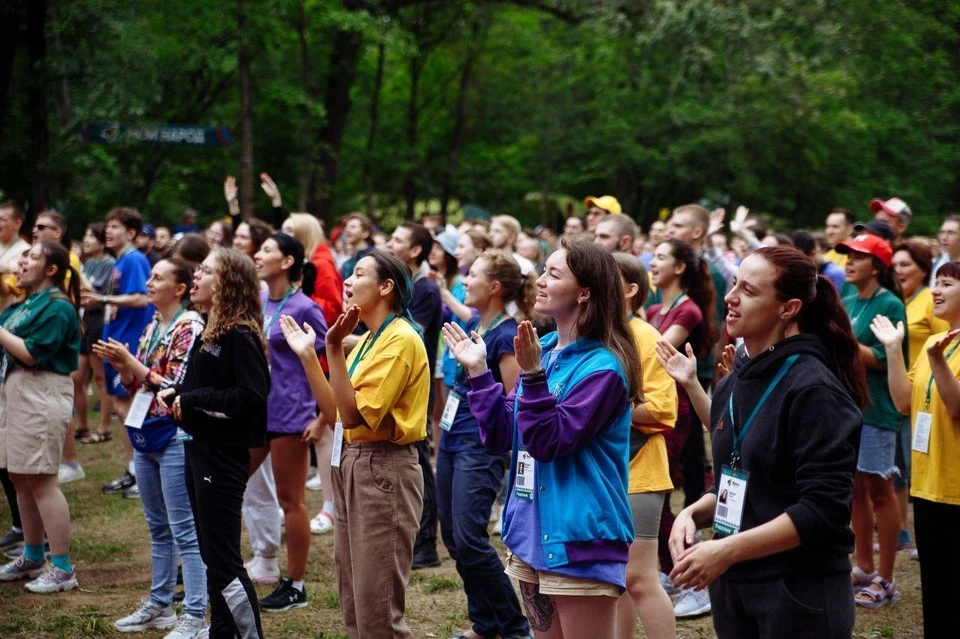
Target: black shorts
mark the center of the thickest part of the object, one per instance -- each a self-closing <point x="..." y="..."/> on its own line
<point x="92" y="331"/>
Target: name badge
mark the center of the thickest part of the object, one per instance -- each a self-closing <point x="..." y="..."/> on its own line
<point x="450" y="411"/>
<point x="337" y="449"/>
<point x="921" y="432"/>
<point x="731" y="496"/>
<point x="139" y="409"/>
<point x="183" y="436"/>
<point x="524" y="479"/>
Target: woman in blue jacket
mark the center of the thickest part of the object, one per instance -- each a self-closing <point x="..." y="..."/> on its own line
<point x="567" y="522"/>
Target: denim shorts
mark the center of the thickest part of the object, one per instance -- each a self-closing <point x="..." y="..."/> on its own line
<point x="878" y="449"/>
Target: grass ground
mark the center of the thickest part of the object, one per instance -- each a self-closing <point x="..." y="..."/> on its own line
<point x="111" y="549"/>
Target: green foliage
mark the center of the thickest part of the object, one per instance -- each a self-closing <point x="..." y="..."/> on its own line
<point x="790" y="108"/>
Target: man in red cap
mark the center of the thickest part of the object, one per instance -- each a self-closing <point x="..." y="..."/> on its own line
<point x="894" y="212"/>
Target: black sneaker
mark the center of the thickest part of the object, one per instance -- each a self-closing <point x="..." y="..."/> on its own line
<point x="11" y="540"/>
<point x="425" y="560"/>
<point x="120" y="484"/>
<point x="284" y="597"/>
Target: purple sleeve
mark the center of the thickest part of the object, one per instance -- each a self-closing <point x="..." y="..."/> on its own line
<point x="549" y="429"/>
<point x="493" y="411"/>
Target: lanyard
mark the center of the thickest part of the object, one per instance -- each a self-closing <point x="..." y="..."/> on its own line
<point x="157" y="336"/>
<point x="861" y="310"/>
<point x="663" y="316"/>
<point x="930" y="381"/>
<point x="497" y="321"/>
<point x="738" y="437"/>
<point x="368" y="343"/>
<point x="276" y="313"/>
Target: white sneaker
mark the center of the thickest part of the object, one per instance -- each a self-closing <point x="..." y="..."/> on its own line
<point x="53" y="579"/>
<point x="68" y="473"/>
<point x="147" y="616"/>
<point x="189" y="627"/>
<point x="692" y="603"/>
<point x="283" y="517"/>
<point x="496" y="518"/>
<point x="263" y="570"/>
<point x="314" y="483"/>
<point x="21" y="568"/>
<point x="322" y="523"/>
<point x="674" y="593"/>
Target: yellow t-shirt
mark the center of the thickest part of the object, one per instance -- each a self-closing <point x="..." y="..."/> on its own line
<point x="921" y="323"/>
<point x="392" y="384"/>
<point x="650" y="470"/>
<point x="936" y="473"/>
<point x="75" y="263"/>
<point x="836" y="258"/>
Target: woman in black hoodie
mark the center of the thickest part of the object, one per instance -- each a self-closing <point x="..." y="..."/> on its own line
<point x="222" y="407"/>
<point x="786" y="428"/>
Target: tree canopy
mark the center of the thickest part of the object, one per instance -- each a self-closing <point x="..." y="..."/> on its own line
<point x="791" y="108"/>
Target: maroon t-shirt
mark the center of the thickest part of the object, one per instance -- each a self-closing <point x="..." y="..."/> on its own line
<point x="687" y="315"/>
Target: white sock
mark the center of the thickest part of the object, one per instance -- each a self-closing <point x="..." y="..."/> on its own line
<point x="298" y="585"/>
<point x="328" y="506"/>
<point x="131" y="469"/>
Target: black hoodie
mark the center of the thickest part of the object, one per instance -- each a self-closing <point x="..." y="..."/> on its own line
<point x="801" y="453"/>
<point x="223" y="396"/>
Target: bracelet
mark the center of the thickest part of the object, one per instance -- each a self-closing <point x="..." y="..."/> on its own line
<point x="534" y="377"/>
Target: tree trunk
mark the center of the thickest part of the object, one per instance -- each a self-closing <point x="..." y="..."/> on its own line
<point x="246" y="115"/>
<point x="10" y="19"/>
<point x="372" y="134"/>
<point x="306" y="162"/>
<point x="459" y="126"/>
<point x="63" y="89"/>
<point x="413" y="114"/>
<point x="343" y="71"/>
<point x="37" y="101"/>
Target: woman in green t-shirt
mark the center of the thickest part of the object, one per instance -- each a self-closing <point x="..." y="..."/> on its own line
<point x="876" y="292"/>
<point x="39" y="344"/>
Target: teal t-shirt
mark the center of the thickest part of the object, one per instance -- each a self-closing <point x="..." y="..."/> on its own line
<point x="881" y="412"/>
<point x="50" y="328"/>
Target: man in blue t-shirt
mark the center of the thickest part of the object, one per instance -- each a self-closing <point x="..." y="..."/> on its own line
<point x="126" y="314"/>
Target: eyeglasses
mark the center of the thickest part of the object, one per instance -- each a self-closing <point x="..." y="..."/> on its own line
<point x="44" y="227"/>
<point x="203" y="269"/>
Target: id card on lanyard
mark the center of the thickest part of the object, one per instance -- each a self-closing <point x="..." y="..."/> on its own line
<point x="924" y="421"/>
<point x="523" y="480"/>
<point x="732" y="491"/>
<point x="450" y="410"/>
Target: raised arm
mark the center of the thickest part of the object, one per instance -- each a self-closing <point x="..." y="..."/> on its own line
<point x="947" y="384"/>
<point x="892" y="339"/>
<point x="303" y="342"/>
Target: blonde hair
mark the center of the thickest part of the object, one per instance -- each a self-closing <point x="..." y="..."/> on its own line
<point x="307" y="231"/>
<point x="509" y="222"/>
<point x="236" y="297"/>
<point x="515" y="287"/>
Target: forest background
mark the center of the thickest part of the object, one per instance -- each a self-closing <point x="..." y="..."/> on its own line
<point x="516" y="106"/>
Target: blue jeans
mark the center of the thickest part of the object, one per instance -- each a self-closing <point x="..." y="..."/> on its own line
<point x="467" y="486"/>
<point x="166" y="507"/>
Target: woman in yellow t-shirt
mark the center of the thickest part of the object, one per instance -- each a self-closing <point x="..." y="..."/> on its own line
<point x="381" y="397"/>
<point x="930" y="392"/>
<point x="649" y="482"/>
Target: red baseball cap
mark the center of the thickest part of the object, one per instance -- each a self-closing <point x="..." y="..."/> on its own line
<point x="869" y="244"/>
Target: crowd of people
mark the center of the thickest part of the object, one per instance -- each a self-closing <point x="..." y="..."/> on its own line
<point x="551" y="386"/>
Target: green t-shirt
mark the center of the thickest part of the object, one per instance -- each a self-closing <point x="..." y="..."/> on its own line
<point x="48" y="324"/>
<point x="881" y="412"/>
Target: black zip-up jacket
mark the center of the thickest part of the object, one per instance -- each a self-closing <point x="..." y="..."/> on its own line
<point x="223" y="396"/>
<point x="801" y="453"/>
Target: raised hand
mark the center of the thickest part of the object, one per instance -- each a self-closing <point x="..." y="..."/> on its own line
<point x="682" y="368"/>
<point x="889" y="335"/>
<point x="935" y="350"/>
<point x="716" y="220"/>
<point x="527" y="347"/>
<point x="725" y="365"/>
<point x="469" y="350"/>
<point x="270" y="188"/>
<point x="345" y="325"/>
<point x="737" y="224"/>
<point x="165" y="397"/>
<point x="301" y="341"/>
<point x="113" y="351"/>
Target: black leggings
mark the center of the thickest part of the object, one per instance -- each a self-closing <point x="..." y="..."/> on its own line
<point x="216" y="479"/>
<point x="939" y="561"/>
<point x="11" y="493"/>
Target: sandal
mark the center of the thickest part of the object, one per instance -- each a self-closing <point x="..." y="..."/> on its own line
<point x="97" y="438"/>
<point x="873" y="599"/>
<point x="861" y="579"/>
<point x="81" y="434"/>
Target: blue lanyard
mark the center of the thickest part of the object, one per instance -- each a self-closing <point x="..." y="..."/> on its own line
<point x="276" y="314"/>
<point x="157" y="336"/>
<point x="738" y="437"/>
<point x="368" y="343"/>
